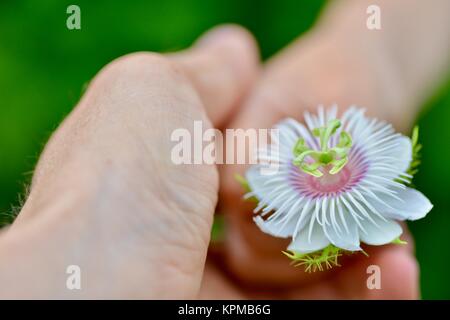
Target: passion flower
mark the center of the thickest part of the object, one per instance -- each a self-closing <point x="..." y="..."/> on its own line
<point x="340" y="183"/>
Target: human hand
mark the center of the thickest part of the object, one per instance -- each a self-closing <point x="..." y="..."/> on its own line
<point x="105" y="194"/>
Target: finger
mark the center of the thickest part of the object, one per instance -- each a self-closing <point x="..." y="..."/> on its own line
<point x="215" y="285"/>
<point x="389" y="272"/>
<point x="222" y="65"/>
<point x="256" y="258"/>
<point x="386" y="272"/>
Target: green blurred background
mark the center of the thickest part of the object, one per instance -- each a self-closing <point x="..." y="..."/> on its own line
<point x="44" y="66"/>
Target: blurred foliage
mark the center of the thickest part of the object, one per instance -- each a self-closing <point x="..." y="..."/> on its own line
<point x="44" y="67"/>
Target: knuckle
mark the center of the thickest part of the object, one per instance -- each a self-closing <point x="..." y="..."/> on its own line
<point x="146" y="64"/>
<point x="151" y="77"/>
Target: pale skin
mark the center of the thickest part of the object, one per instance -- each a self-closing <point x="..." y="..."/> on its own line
<point x="105" y="195"/>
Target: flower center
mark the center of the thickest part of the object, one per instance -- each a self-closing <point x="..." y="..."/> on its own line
<point x="330" y="183"/>
<point x="333" y="159"/>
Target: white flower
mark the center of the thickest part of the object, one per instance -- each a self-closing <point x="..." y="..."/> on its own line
<point x="339" y="183"/>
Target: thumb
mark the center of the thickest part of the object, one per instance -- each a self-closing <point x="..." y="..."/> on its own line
<point x="107" y="176"/>
<point x="222" y="66"/>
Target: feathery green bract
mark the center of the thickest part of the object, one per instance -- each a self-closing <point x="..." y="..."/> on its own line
<point x="415" y="162"/>
<point x="318" y="260"/>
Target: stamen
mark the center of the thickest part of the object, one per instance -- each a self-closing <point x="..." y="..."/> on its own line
<point x="336" y="157"/>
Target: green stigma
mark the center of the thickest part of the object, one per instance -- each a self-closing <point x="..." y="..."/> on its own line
<point x="336" y="157"/>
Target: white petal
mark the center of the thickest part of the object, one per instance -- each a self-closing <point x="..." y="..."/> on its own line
<point x="301" y="132"/>
<point x="283" y="223"/>
<point x="398" y="157"/>
<point x="332" y="112"/>
<point x="342" y="238"/>
<point x="385" y="231"/>
<point x="403" y="153"/>
<point x="276" y="228"/>
<point x="318" y="241"/>
<point x="288" y="136"/>
<point x="413" y="207"/>
<point x="258" y="183"/>
<point x="353" y="121"/>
